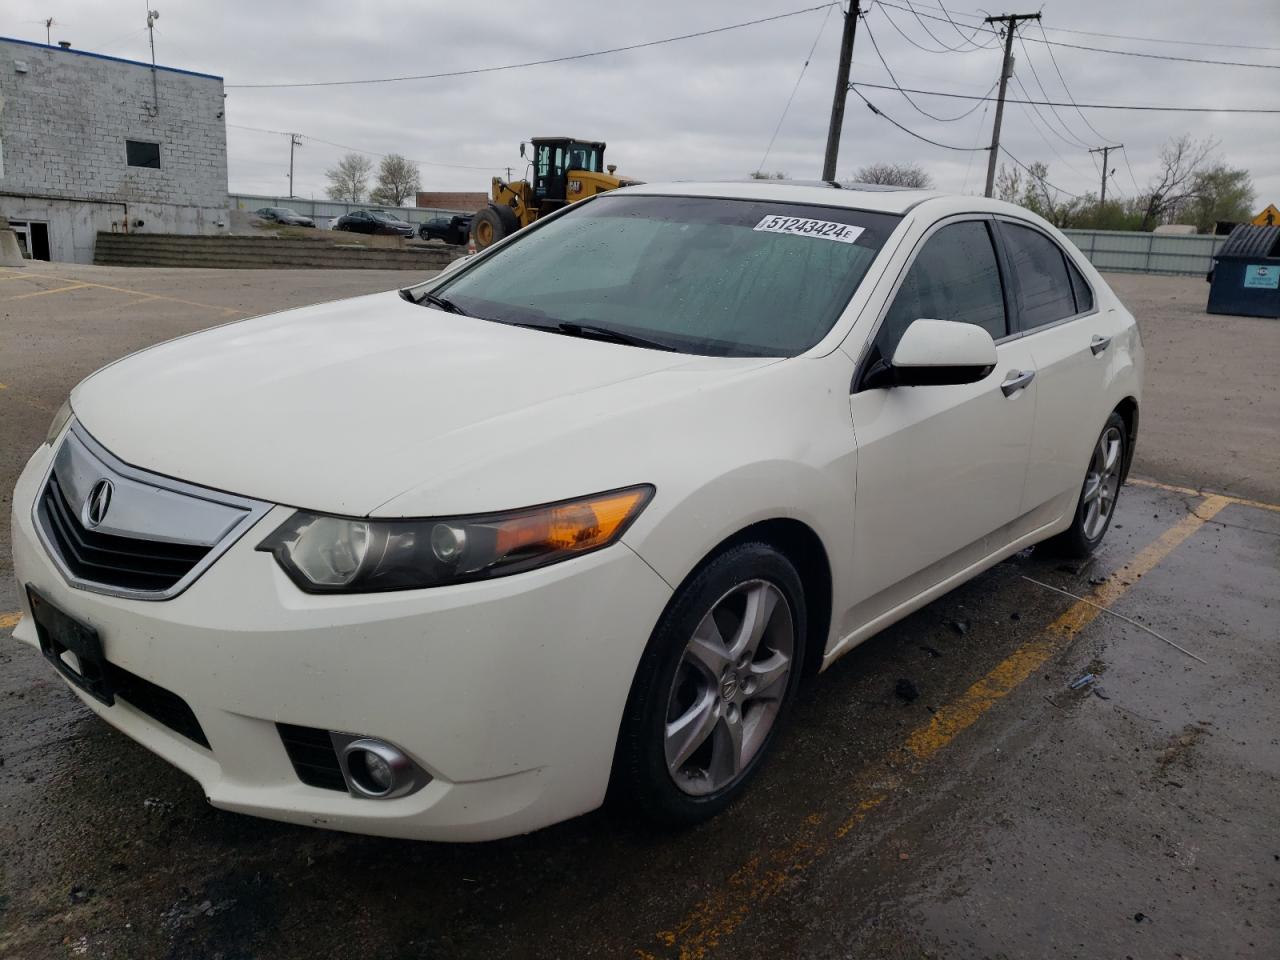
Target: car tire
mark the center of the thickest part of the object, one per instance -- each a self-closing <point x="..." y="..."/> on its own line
<point x="1098" y="495"/>
<point x="705" y="677"/>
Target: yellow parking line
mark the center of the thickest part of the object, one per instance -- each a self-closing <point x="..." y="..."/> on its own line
<point x="1188" y="492"/>
<point x="143" y="293"/>
<point x="44" y="293"/>
<point x="717" y="916"/>
<point x="8" y="620"/>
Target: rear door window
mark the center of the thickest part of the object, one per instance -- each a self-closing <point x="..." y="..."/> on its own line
<point x="1045" y="293"/>
<point x="954" y="277"/>
<point x="1080" y="287"/>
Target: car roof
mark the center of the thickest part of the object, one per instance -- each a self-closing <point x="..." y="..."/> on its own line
<point x="859" y="196"/>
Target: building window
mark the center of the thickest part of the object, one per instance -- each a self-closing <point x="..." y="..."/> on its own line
<point x="140" y="153"/>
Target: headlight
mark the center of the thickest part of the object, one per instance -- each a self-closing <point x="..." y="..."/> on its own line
<point x="324" y="554"/>
<point x="59" y="421"/>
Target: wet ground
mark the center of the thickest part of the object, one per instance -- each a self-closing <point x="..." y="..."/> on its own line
<point x="1001" y="813"/>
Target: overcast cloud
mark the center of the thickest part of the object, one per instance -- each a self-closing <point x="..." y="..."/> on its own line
<point x="699" y="108"/>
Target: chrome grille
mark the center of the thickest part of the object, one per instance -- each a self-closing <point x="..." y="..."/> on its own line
<point x="149" y="538"/>
<point x="120" y="561"/>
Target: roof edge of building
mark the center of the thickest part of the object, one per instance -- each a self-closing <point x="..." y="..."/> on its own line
<point x="103" y="56"/>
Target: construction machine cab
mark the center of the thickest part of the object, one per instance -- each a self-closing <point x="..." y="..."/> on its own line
<point x="553" y="158"/>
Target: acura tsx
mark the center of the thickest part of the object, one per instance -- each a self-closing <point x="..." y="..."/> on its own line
<point x="574" y="518"/>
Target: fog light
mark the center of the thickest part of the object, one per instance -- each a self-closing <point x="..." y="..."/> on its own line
<point x="376" y="769"/>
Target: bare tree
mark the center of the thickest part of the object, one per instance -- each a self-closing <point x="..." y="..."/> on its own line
<point x="1180" y="160"/>
<point x="1009" y="184"/>
<point x="765" y="175"/>
<point x="895" y="175"/>
<point x="350" y="178"/>
<point x="397" y="181"/>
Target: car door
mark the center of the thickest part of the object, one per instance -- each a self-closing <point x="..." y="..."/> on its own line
<point x="940" y="468"/>
<point x="1070" y="342"/>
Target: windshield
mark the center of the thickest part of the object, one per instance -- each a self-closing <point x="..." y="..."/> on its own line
<point x="701" y="275"/>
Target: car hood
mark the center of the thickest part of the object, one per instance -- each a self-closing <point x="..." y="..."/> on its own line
<point x="344" y="406"/>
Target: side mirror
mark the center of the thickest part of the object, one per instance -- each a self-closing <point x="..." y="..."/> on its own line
<point x="522" y="149"/>
<point x="936" y="353"/>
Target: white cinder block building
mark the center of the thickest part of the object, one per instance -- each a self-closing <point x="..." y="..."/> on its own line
<point x="90" y="143"/>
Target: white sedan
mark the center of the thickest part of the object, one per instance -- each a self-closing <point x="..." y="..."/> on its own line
<point x="574" y="518"/>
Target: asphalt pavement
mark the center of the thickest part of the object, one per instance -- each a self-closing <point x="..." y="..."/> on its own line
<point x="1084" y="773"/>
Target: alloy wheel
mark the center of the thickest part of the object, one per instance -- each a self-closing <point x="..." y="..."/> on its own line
<point x="1102" y="483"/>
<point x="729" y="687"/>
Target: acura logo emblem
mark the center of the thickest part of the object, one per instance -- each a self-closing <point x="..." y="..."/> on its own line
<point x="98" y="502"/>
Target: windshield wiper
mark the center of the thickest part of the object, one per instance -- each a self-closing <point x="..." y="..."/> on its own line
<point x="592" y="332"/>
<point x="444" y="303"/>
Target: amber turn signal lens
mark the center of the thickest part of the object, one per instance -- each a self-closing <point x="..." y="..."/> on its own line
<point x="572" y="527"/>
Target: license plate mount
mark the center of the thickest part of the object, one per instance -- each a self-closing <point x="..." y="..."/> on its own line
<point x="59" y="634"/>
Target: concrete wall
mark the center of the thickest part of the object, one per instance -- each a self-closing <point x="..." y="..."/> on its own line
<point x="64" y="118"/>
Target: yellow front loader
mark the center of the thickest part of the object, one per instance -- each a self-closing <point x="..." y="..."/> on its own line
<point x="564" y="170"/>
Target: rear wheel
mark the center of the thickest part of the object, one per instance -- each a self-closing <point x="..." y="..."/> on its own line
<point x="1098" y="495"/>
<point x="720" y="671"/>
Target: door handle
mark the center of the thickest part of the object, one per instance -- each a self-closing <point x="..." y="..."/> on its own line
<point x="1016" y="380"/>
<point x="1099" y="343"/>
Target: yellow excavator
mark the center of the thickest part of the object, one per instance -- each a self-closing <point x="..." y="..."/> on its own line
<point x="565" y="169"/>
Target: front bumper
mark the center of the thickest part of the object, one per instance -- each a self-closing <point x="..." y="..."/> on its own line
<point x="508" y="692"/>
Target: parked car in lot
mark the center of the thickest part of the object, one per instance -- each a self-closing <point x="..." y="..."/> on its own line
<point x="455" y="229"/>
<point x="374" y="221"/>
<point x="575" y="516"/>
<point x="283" y="215"/>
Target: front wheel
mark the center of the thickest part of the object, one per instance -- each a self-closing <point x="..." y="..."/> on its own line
<point x="487" y="228"/>
<point x="1098" y="495"/>
<point x="719" y="673"/>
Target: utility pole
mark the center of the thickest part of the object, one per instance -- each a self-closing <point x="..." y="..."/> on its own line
<point x="1010" y="20"/>
<point x="842" y="90"/>
<point x="152" y="17"/>
<point x="48" y="32"/>
<point x="1104" y="151"/>
<point x="295" y="140"/>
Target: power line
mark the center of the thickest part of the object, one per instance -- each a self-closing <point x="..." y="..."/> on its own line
<point x="367" y="153"/>
<point x="932" y="36"/>
<point x="1067" y="90"/>
<point x="1074" y="141"/>
<point x="528" y="63"/>
<point x="1128" y="36"/>
<point x="1137" y="190"/>
<point x="1123" y="53"/>
<point x="880" y="113"/>
<point x="1082" y="106"/>
<point x="919" y="109"/>
<point x="905" y="36"/>
<point x="805" y="67"/>
<point x="946" y="13"/>
<point x="1036" y="108"/>
<point x="1047" y="142"/>
<point x="1036" y="176"/>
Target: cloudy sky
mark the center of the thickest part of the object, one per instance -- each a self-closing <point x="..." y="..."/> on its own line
<point x="704" y="107"/>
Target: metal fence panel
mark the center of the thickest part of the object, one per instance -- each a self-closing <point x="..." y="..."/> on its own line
<point x="1122" y="251"/>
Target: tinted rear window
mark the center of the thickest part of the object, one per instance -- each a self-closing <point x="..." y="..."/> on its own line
<point x="1041" y="271"/>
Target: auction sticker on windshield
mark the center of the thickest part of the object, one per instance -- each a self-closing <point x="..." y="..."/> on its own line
<point x="803" y="227"/>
